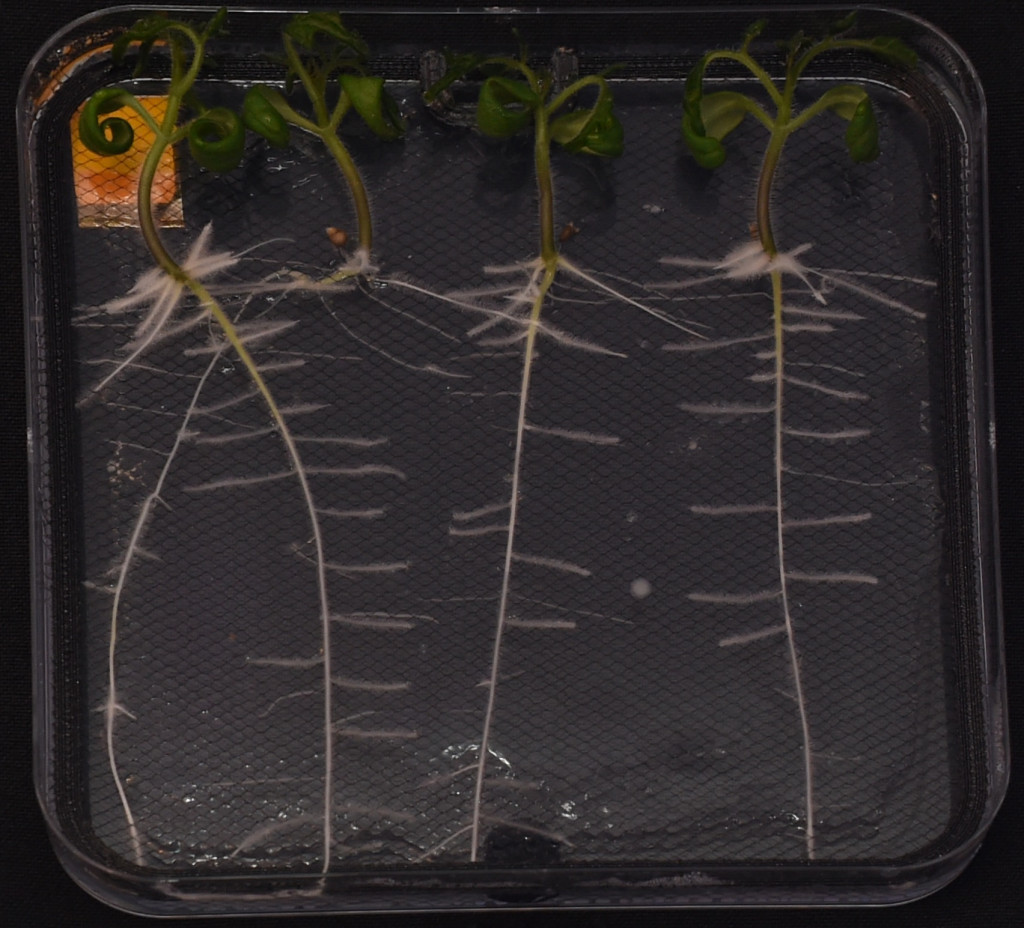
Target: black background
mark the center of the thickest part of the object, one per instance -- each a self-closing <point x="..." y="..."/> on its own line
<point x="36" y="891"/>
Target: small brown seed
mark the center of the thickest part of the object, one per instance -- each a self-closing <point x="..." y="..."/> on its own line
<point x="338" y="237"/>
<point x="568" y="231"/>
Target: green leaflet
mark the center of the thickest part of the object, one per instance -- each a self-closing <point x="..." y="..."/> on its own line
<point x="145" y="31"/>
<point x="376" y="107"/>
<point x="862" y="132"/>
<point x="112" y="136"/>
<point x="456" y="68"/>
<point x="843" y="100"/>
<point x="706" y="148"/>
<point x="505" y="106"/>
<point x="306" y="27"/>
<point x="593" y="131"/>
<point x="893" y="51"/>
<point x="156" y="26"/>
<point x="722" y="112"/>
<point x="845" y="24"/>
<point x="216" y="23"/>
<point x="752" y="32"/>
<point x="708" y="152"/>
<point x="260" y="115"/>
<point x="852" y="104"/>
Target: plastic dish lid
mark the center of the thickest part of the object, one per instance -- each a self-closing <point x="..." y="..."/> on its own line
<point x="606" y="530"/>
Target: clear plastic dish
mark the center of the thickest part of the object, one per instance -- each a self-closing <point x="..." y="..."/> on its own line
<point x="483" y="579"/>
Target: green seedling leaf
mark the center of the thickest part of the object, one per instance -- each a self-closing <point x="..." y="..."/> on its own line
<point x="505" y="106"/>
<point x="594" y="131"/>
<point x="852" y="104"/>
<point x="845" y="24"/>
<point x="844" y="100"/>
<point x="150" y="29"/>
<point x="145" y="31"/>
<point x="753" y="31"/>
<point x="722" y="112"/>
<point x="305" y="28"/>
<point x="112" y="136"/>
<point x="893" y="51"/>
<point x="796" y="45"/>
<point x="862" y="132"/>
<point x="374" y="104"/>
<point x="216" y="139"/>
<point x="216" y="23"/>
<point x="261" y="115"/>
<point x="707" y="150"/>
<point x="456" y="67"/>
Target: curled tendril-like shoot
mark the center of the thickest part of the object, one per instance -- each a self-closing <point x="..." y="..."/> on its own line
<point x="216" y="137"/>
<point x="111" y="136"/>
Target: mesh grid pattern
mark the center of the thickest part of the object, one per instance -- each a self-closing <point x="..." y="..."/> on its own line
<point x="639" y="715"/>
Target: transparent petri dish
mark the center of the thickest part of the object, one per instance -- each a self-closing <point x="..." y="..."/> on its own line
<point x="445" y="521"/>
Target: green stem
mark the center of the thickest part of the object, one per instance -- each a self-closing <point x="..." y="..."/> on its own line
<point x="147" y="223"/>
<point x="592" y="80"/>
<point x="781" y="128"/>
<point x="823" y="46"/>
<point x="182" y="83"/>
<point x="745" y="59"/>
<point x="326" y="127"/>
<point x="764" y="188"/>
<point x="360" y="199"/>
<point x="759" y="114"/>
<point x="545" y="187"/>
<point x="315" y="95"/>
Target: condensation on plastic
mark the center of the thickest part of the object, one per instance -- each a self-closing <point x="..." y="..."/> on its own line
<point x="643" y="732"/>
